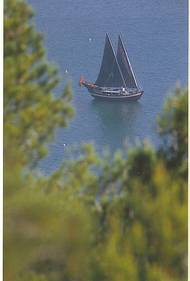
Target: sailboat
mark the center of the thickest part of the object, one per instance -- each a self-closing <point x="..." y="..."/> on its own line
<point x="116" y="79"/>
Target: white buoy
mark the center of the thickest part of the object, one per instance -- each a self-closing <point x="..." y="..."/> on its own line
<point x="90" y="39"/>
<point x="66" y="71"/>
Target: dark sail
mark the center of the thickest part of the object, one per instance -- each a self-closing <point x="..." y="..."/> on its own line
<point x="110" y="74"/>
<point x="125" y="66"/>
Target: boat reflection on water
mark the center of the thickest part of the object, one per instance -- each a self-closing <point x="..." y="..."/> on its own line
<point x="119" y="122"/>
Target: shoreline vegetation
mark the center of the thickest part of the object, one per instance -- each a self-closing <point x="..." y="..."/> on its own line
<point x="95" y="218"/>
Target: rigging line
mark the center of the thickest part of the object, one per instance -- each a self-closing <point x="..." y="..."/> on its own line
<point x="120" y="37"/>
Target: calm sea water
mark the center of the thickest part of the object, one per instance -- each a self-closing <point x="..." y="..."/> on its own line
<point x="155" y="34"/>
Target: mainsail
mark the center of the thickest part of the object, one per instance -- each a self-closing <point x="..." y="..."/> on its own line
<point x="125" y="66"/>
<point x="110" y="74"/>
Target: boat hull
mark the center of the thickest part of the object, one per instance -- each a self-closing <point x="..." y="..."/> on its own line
<point x="99" y="94"/>
<point x="132" y="97"/>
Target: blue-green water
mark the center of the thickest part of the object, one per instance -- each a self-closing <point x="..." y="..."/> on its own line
<point x="155" y="34"/>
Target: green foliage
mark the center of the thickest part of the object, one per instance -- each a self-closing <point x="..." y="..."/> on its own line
<point x="141" y="163"/>
<point x="96" y="218"/>
<point x="173" y="129"/>
<point x="31" y="111"/>
<point x="52" y="235"/>
<point x="153" y="229"/>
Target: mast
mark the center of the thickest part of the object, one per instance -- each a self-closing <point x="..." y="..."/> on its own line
<point x="110" y="74"/>
<point x="125" y="65"/>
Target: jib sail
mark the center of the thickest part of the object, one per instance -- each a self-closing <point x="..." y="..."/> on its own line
<point x="125" y="66"/>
